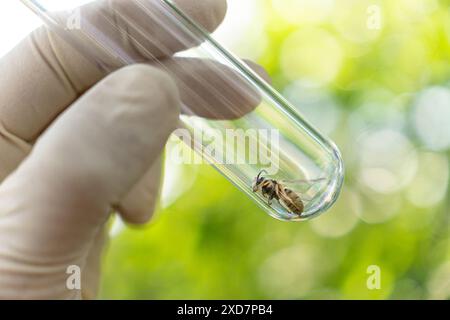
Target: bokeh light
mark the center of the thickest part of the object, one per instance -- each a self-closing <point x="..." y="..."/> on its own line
<point x="439" y="282"/>
<point x="304" y="11"/>
<point x="358" y="21"/>
<point x="315" y="104"/>
<point x="313" y="55"/>
<point x="342" y="218"/>
<point x="291" y="272"/>
<point x="244" y="21"/>
<point x="379" y="208"/>
<point x="431" y="117"/>
<point x="388" y="161"/>
<point x="429" y="186"/>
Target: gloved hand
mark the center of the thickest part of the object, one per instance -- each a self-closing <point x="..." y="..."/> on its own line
<point x="75" y="143"/>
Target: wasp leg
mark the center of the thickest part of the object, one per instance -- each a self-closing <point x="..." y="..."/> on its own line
<point x="265" y="194"/>
<point x="268" y="196"/>
<point x="272" y="196"/>
<point x="269" y="199"/>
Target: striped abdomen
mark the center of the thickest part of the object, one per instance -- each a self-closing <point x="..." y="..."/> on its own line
<point x="290" y="200"/>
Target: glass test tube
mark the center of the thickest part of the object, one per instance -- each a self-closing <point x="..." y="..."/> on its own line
<point x="231" y="116"/>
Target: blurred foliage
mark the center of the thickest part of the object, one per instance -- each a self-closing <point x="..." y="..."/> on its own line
<point x="386" y="94"/>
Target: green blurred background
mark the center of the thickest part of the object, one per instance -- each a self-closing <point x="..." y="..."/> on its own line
<point x="372" y="75"/>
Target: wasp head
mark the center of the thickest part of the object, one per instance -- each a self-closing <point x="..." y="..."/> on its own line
<point x="258" y="181"/>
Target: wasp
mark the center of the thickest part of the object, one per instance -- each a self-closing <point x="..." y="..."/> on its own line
<point x="272" y="189"/>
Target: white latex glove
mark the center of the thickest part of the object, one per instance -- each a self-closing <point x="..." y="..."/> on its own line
<point x="74" y="143"/>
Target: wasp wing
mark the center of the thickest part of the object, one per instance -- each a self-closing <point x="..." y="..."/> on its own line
<point x="303" y="181"/>
<point x="304" y="185"/>
<point x="290" y="200"/>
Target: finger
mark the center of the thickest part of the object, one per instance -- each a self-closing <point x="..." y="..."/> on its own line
<point x="90" y="280"/>
<point x="138" y="205"/>
<point x="12" y="151"/>
<point x="212" y="90"/>
<point x="53" y="205"/>
<point x="46" y="75"/>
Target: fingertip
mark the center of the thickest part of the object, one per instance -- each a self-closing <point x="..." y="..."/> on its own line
<point x="133" y="215"/>
<point x="208" y="13"/>
<point x="138" y="206"/>
<point x="260" y="70"/>
<point x="219" y="11"/>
